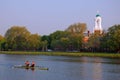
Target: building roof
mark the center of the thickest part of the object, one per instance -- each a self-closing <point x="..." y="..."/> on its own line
<point x="97" y="15"/>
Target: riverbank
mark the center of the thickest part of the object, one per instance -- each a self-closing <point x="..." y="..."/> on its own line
<point x="80" y="54"/>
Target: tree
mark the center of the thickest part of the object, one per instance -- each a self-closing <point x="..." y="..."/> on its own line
<point x="105" y="43"/>
<point x="94" y="42"/>
<point x="58" y="34"/>
<point x="75" y="41"/>
<point x="44" y="45"/>
<point x="60" y="45"/>
<point x="79" y="28"/>
<point x="76" y="36"/>
<point x="58" y="39"/>
<point x="48" y="39"/>
<point x="2" y="42"/>
<point x="33" y="42"/>
<point x="111" y="39"/>
<point x="64" y="43"/>
<point x="17" y="38"/>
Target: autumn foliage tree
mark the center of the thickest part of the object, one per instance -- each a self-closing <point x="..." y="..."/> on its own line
<point x="77" y="33"/>
<point x="2" y="43"/>
<point x="70" y="39"/>
<point x="79" y="28"/>
<point x="19" y="38"/>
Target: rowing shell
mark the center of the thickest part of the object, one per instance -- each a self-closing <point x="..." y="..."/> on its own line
<point x="32" y="68"/>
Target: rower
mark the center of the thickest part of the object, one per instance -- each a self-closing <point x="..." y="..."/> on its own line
<point x="27" y="63"/>
<point x="32" y="64"/>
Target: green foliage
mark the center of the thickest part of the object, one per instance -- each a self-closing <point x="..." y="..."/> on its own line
<point x="33" y="42"/>
<point x="58" y="34"/>
<point x="70" y="39"/>
<point x="64" y="54"/>
<point x="44" y="45"/>
<point x="2" y="43"/>
<point x="19" y="38"/>
<point x="46" y="39"/>
<point x="111" y="39"/>
<point x="94" y="41"/>
<point x="64" y="43"/>
<point x="76" y="41"/>
<point x="59" y="40"/>
<point x="64" y="40"/>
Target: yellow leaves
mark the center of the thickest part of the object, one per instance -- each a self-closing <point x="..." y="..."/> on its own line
<point x="77" y="28"/>
<point x="1" y="37"/>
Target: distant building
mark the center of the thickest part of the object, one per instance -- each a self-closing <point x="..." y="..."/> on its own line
<point x="98" y="26"/>
<point x="86" y="36"/>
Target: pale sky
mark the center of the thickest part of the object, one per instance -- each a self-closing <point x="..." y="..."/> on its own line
<point x="47" y="16"/>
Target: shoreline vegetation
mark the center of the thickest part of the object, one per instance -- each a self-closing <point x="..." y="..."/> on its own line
<point x="76" y="54"/>
<point x="74" y="38"/>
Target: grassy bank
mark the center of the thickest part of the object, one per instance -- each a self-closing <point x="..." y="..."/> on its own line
<point x="63" y="54"/>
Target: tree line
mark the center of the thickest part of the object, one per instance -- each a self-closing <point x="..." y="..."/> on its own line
<point x="18" y="38"/>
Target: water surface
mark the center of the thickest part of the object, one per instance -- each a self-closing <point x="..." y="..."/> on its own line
<point x="60" y="68"/>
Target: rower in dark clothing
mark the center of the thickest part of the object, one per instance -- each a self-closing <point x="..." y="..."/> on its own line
<point x="32" y="64"/>
<point x="27" y="64"/>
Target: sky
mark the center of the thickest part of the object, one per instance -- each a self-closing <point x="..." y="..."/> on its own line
<point x="47" y="16"/>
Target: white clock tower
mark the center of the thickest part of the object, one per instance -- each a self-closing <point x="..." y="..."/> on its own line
<point x="98" y="26"/>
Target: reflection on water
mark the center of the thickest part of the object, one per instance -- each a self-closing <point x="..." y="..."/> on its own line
<point x="60" y="68"/>
<point x="97" y="70"/>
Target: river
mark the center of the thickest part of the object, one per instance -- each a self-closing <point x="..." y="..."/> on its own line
<point x="60" y="68"/>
